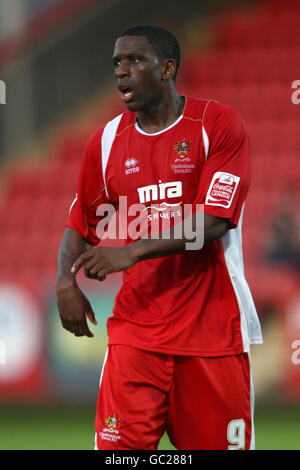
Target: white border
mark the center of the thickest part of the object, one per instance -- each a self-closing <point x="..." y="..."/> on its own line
<point x="159" y="132"/>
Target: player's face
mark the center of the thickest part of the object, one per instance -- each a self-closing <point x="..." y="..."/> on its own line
<point x="138" y="71"/>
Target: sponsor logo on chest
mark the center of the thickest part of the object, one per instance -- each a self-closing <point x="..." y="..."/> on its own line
<point x="155" y="192"/>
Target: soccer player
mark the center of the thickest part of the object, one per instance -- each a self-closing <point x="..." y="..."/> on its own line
<point x="184" y="319"/>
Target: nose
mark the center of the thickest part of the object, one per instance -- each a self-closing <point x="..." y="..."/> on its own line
<point x="122" y="70"/>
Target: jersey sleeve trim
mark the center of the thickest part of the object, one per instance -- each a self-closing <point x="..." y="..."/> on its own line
<point x="107" y="140"/>
<point x="204" y="133"/>
<point x="97" y="198"/>
<point x="122" y="131"/>
<point x="205" y="141"/>
<point x="193" y="119"/>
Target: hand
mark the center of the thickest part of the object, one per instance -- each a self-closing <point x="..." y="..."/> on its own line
<point x="73" y="308"/>
<point x="98" y="262"/>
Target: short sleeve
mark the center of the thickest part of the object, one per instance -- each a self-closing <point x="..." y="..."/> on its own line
<point x="90" y="192"/>
<point x="225" y="176"/>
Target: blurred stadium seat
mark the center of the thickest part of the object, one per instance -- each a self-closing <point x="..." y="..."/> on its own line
<point x="249" y="66"/>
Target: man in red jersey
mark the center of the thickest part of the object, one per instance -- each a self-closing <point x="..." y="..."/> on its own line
<point x="184" y="319"/>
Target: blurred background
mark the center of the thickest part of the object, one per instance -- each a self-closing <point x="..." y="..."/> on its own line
<point x="56" y="89"/>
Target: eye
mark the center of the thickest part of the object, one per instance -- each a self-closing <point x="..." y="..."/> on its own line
<point x="135" y="60"/>
<point x="116" y="63"/>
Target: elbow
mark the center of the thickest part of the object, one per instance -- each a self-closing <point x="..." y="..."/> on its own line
<point x="215" y="228"/>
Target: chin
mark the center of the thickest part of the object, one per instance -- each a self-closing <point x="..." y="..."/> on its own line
<point x="132" y="106"/>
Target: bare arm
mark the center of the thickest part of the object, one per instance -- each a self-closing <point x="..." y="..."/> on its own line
<point x="214" y="228"/>
<point x="102" y="261"/>
<point x="71" y="246"/>
<point x="72" y="304"/>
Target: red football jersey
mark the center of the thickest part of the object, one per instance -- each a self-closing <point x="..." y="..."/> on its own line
<point x="197" y="302"/>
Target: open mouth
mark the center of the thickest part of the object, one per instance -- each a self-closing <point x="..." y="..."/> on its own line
<point x="126" y="93"/>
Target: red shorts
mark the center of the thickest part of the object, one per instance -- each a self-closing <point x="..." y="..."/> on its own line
<point x="202" y="402"/>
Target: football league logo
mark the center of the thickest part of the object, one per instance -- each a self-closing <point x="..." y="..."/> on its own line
<point x="222" y="189"/>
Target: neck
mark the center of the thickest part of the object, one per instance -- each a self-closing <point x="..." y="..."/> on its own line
<point x="162" y="113"/>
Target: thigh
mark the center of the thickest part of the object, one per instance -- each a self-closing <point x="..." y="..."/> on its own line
<point x="132" y="403"/>
<point x="210" y="403"/>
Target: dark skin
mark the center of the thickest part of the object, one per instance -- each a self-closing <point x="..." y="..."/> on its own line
<point x="147" y="87"/>
<point x="74" y="308"/>
<point x="154" y="98"/>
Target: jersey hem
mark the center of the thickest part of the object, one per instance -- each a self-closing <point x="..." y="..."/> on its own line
<point x="256" y="341"/>
<point x="180" y="352"/>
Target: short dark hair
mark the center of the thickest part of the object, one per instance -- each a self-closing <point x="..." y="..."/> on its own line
<point x="163" y="42"/>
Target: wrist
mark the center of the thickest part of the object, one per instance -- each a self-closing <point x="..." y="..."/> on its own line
<point x="65" y="282"/>
<point x="135" y="251"/>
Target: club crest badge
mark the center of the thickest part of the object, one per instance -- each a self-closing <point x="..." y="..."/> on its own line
<point x="110" y="431"/>
<point x="183" y="149"/>
<point x="112" y="422"/>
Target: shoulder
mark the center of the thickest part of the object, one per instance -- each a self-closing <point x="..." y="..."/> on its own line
<point x="110" y="127"/>
<point x="119" y="124"/>
<point x="211" y="110"/>
<point x="219" y="116"/>
<point x="95" y="137"/>
<point x="100" y="141"/>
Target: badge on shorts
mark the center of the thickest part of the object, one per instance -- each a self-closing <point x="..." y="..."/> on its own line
<point x="222" y="189"/>
<point x="112" y="422"/>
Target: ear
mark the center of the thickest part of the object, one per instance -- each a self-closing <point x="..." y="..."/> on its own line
<point x="168" y="69"/>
